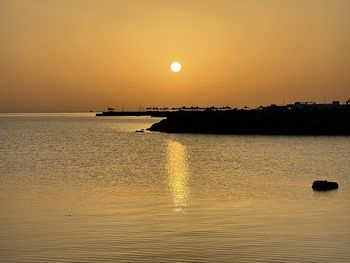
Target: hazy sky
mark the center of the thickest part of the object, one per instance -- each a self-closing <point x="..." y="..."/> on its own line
<point x="77" y="55"/>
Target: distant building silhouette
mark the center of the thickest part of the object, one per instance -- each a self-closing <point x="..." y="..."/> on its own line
<point x="314" y="105"/>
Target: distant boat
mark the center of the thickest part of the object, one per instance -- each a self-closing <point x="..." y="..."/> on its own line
<point x="142" y="130"/>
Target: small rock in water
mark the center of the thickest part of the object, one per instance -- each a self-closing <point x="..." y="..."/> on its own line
<point x="320" y="185"/>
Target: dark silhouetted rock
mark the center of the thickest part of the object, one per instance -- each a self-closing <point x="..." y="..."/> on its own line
<point x="267" y="121"/>
<point x="324" y="185"/>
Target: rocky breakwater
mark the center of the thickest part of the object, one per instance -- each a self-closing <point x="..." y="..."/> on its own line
<point x="268" y="121"/>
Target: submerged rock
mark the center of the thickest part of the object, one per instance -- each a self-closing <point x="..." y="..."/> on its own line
<point x="320" y="185"/>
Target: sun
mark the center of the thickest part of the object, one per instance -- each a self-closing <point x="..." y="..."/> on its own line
<point x="175" y="66"/>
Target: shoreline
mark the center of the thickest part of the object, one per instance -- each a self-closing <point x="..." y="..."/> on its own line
<point x="269" y="121"/>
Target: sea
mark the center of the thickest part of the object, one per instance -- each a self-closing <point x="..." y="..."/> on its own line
<point x="80" y="188"/>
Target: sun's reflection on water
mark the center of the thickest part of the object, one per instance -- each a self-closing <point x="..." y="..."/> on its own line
<point x="178" y="174"/>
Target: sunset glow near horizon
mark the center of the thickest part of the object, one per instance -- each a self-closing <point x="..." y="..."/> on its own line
<point x="82" y="55"/>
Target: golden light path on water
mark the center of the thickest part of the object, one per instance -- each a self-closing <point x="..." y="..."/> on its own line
<point x="178" y="174"/>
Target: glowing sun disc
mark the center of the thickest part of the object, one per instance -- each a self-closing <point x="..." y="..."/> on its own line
<point x="175" y="66"/>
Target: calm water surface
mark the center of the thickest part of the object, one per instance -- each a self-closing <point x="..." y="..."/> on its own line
<point x="76" y="188"/>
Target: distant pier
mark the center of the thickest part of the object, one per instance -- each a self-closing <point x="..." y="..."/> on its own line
<point x="136" y="113"/>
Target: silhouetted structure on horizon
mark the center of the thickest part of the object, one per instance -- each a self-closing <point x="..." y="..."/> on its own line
<point x="292" y="119"/>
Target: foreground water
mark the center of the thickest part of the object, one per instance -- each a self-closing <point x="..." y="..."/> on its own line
<point x="76" y="188"/>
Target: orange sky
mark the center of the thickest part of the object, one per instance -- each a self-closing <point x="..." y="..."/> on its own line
<point x="82" y="54"/>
